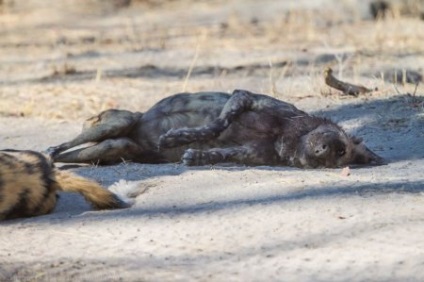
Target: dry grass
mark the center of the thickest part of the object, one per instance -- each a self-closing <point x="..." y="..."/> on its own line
<point x="70" y="70"/>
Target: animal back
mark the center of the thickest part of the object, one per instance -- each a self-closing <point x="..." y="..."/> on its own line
<point x="27" y="187"/>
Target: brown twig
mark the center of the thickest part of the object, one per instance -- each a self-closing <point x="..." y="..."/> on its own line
<point x="346" y="88"/>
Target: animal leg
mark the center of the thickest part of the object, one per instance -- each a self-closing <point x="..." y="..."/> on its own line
<point x="242" y="155"/>
<point x="106" y="125"/>
<point x="106" y="152"/>
<point x="239" y="102"/>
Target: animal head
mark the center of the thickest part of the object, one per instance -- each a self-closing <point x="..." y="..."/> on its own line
<point x="329" y="146"/>
<point x="328" y="71"/>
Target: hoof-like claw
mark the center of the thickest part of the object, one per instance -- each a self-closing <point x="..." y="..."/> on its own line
<point x="190" y="157"/>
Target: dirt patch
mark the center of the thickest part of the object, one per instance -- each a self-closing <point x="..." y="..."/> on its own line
<point x="220" y="222"/>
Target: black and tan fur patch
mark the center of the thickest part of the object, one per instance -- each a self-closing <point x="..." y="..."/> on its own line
<point x="29" y="184"/>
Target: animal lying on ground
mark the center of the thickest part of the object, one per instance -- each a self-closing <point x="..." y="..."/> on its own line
<point x="29" y="184"/>
<point x="213" y="127"/>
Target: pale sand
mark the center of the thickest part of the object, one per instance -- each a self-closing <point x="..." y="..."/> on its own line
<point x="218" y="223"/>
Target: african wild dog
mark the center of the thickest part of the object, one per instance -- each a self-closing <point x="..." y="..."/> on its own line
<point x="29" y="184"/>
<point x="213" y="127"/>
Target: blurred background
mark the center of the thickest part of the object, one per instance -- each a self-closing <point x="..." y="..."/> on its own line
<point x="68" y="59"/>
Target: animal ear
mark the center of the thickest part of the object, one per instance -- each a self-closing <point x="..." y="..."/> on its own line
<point x="363" y="155"/>
<point x="356" y="140"/>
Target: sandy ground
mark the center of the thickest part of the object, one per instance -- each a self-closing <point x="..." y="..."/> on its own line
<point x="218" y="223"/>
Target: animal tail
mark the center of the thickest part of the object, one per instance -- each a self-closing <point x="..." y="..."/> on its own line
<point x="99" y="197"/>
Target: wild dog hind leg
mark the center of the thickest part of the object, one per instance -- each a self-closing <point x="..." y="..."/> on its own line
<point x="109" y="151"/>
<point x="108" y="124"/>
<point x="239" y="102"/>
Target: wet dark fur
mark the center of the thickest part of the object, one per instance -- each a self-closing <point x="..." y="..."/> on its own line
<point x="212" y="127"/>
<point x="29" y="184"/>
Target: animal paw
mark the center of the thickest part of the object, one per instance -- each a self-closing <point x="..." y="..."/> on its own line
<point x="174" y="138"/>
<point x="191" y="157"/>
<point x="167" y="140"/>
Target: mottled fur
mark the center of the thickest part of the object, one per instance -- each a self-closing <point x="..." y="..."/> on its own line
<point x="29" y="184"/>
<point x="212" y="127"/>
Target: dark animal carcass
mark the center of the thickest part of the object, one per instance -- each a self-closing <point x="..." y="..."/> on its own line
<point x="213" y="127"/>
